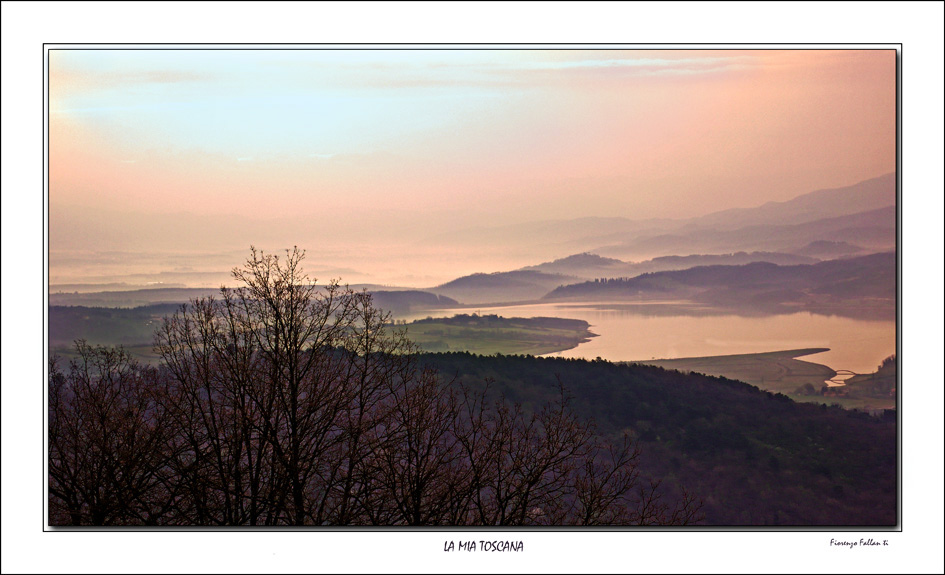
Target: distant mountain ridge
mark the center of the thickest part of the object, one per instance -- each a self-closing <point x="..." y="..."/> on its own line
<point x="874" y="230"/>
<point x="404" y="301"/>
<point x="826" y="249"/>
<point x="519" y="285"/>
<point x="861" y="282"/>
<point x="872" y="194"/>
<point x="725" y="231"/>
<point x="592" y="266"/>
<point x="581" y="265"/>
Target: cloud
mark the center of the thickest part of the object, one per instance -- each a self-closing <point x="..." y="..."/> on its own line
<point x="646" y="65"/>
<point x="72" y="80"/>
<point x="79" y="83"/>
<point x="494" y="69"/>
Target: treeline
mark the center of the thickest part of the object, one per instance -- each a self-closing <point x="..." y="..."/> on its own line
<point x="406" y="300"/>
<point x="754" y="457"/>
<point x="280" y="403"/>
<point x="135" y="326"/>
<point x="493" y="320"/>
<point x="860" y="287"/>
<point x="105" y="325"/>
<point x="871" y="276"/>
<point x="881" y="383"/>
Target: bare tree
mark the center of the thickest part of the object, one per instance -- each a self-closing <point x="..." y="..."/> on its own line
<point x="522" y="465"/>
<point x="217" y="402"/>
<point x="108" y="440"/>
<point x="552" y="468"/>
<point x="372" y="356"/>
<point x="417" y="459"/>
<point x="286" y="403"/>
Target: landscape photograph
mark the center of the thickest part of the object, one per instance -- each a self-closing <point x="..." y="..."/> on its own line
<point x="495" y="287"/>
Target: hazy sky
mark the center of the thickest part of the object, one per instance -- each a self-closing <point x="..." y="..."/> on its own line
<point x="400" y="141"/>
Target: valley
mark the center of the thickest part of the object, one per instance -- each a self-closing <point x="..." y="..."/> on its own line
<point x="740" y="293"/>
<point x="432" y="286"/>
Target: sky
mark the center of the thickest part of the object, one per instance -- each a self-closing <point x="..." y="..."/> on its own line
<point x="158" y="152"/>
<point x="917" y="25"/>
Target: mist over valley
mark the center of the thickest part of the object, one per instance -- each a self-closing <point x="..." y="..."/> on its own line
<point x="442" y="288"/>
<point x="770" y="298"/>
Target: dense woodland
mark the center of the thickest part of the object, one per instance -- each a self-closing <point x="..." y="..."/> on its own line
<point x="281" y="404"/>
<point x="752" y="457"/>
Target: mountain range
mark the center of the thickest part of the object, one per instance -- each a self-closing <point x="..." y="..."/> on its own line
<point x="864" y="284"/>
<point x="503" y="287"/>
<point x="593" y="266"/>
<point x="821" y="250"/>
<point x="862" y="215"/>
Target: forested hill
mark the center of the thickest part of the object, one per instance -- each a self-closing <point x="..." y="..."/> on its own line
<point x="862" y="280"/>
<point x="404" y="301"/>
<point x="502" y="286"/>
<point x="755" y="458"/>
<point x="590" y="266"/>
<point x="580" y="265"/>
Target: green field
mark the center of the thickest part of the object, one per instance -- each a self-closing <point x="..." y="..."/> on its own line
<point x="781" y="372"/>
<point x="777" y="371"/>
<point x="491" y="334"/>
<point x="486" y="335"/>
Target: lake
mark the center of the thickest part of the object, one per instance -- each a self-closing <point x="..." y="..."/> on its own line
<point x="630" y="332"/>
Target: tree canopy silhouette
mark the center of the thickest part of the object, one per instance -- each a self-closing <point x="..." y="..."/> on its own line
<point x="282" y="402"/>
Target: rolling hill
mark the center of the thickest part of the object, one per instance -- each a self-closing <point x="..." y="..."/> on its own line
<point x="500" y="287"/>
<point x="862" y="214"/>
<point x="865" y="284"/>
<point x="582" y="265"/>
<point x="592" y="266"/>
<point x="826" y="250"/>
<point x="874" y="230"/>
<point x="753" y="457"/>
<point x="863" y="196"/>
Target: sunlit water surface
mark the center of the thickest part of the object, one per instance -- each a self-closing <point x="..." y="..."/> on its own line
<point x="627" y="333"/>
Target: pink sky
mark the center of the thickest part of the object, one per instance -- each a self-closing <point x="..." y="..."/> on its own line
<point x="404" y="142"/>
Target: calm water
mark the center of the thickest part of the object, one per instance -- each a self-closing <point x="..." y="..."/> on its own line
<point x="635" y="332"/>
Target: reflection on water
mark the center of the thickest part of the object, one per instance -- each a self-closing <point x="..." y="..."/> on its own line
<point x="663" y="331"/>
